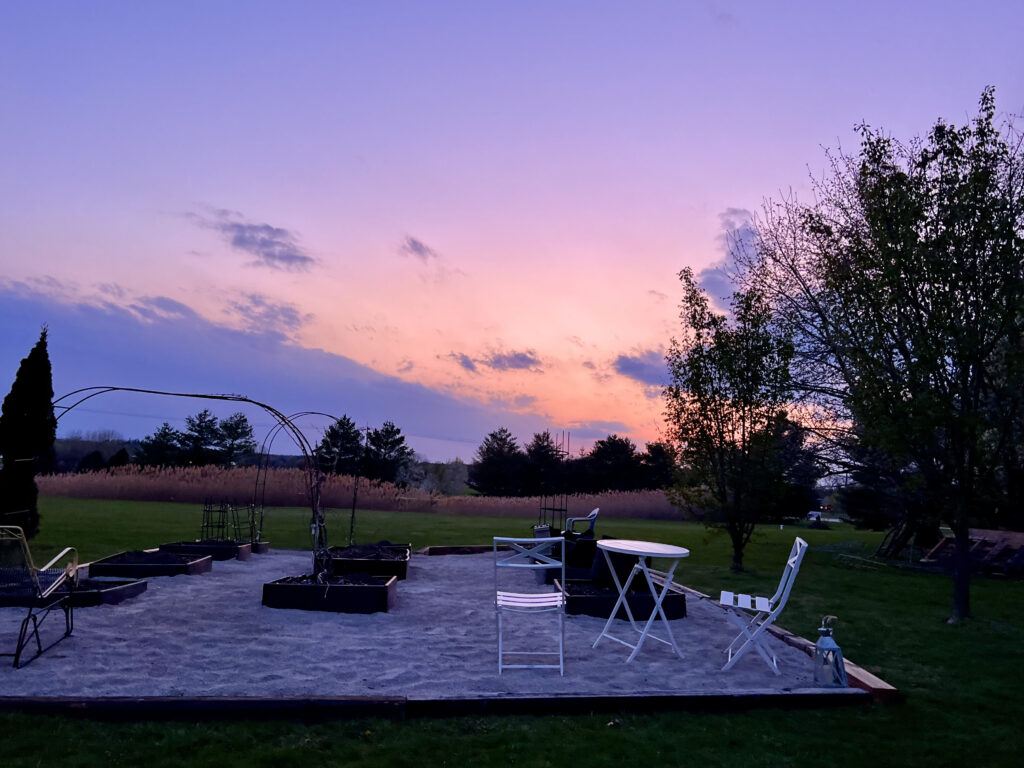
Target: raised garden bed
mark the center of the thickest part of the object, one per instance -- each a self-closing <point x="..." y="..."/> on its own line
<point x="260" y="547"/>
<point x="592" y="600"/>
<point x="383" y="559"/>
<point x="87" y="593"/>
<point x="352" y="593"/>
<point x="218" y="549"/>
<point x="140" y="564"/>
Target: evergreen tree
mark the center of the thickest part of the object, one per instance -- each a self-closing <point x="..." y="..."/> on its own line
<point x="614" y="465"/>
<point x="545" y="469"/>
<point x="499" y="466"/>
<point x="162" y="448"/>
<point x="387" y="455"/>
<point x="27" y="433"/>
<point x="201" y="440"/>
<point x="341" y="449"/>
<point x="236" y="439"/>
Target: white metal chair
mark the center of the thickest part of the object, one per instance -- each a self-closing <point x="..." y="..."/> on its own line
<point x="570" y="523"/>
<point x="530" y="555"/>
<point x="764" y="609"/>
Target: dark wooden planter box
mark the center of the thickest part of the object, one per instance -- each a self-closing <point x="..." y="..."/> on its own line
<point x="373" y="566"/>
<point x="87" y="593"/>
<point x="218" y="550"/>
<point x="90" y="592"/>
<point x="292" y="592"/>
<point x="141" y="565"/>
<point x="588" y="600"/>
<point x="260" y="547"/>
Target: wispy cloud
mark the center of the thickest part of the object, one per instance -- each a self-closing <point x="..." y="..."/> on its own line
<point x="464" y="361"/>
<point x="270" y="246"/>
<point x="158" y="307"/>
<point x="261" y="314"/>
<point x="525" y="360"/>
<point x="432" y="264"/>
<point x="596" y="430"/>
<point x="418" y="249"/>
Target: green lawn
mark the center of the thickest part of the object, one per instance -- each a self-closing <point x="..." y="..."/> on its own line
<point x="963" y="706"/>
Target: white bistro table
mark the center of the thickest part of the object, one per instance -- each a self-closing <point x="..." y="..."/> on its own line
<point x="641" y="550"/>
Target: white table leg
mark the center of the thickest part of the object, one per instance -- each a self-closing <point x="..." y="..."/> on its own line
<point x="658" y="610"/>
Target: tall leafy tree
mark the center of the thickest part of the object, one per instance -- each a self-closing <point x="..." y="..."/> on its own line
<point x="499" y="465"/>
<point x="387" y="455"/>
<point x="729" y="383"/>
<point x="236" y="439"/>
<point x="903" y="284"/>
<point x="27" y="433"/>
<point x="341" y="449"/>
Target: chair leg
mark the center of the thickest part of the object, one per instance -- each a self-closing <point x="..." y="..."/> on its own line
<point x="24" y="636"/>
<point x="752" y="641"/>
<point x="561" y="644"/>
<point x="500" y="657"/>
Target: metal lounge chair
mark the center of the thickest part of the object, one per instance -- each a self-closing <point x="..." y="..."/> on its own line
<point x="49" y="588"/>
<point x="530" y="555"/>
<point x="753" y="615"/>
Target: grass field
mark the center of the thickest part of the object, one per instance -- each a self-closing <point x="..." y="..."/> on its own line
<point x="963" y="683"/>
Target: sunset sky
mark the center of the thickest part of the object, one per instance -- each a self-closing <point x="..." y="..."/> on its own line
<point x="454" y="215"/>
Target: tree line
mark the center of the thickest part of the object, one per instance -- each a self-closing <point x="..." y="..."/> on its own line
<point x="503" y="468"/>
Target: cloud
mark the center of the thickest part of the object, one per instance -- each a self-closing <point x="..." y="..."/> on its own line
<point x="261" y="314"/>
<point x="154" y="307"/>
<point x="596" y="430"/>
<point x="464" y="361"/>
<point x="111" y="289"/>
<point x="647" y="367"/>
<point x="657" y="295"/>
<point x="272" y="247"/>
<point x="174" y="349"/>
<point x="434" y="268"/>
<point x="526" y="360"/>
<point x="737" y="237"/>
<point x="418" y="249"/>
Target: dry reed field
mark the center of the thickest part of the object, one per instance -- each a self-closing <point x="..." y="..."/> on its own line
<point x="287" y="488"/>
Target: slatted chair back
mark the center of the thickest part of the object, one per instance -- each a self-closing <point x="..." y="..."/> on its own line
<point x="536" y="554"/>
<point x="796" y="557"/>
<point x="764" y="609"/>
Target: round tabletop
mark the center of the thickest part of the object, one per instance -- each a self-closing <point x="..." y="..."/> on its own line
<point x="643" y="548"/>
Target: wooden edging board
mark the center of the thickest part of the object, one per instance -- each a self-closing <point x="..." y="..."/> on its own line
<point x="127" y="708"/>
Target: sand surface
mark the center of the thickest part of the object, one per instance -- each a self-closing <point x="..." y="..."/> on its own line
<point x="209" y="635"/>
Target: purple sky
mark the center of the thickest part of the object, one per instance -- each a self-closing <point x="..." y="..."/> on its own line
<point x="457" y="216"/>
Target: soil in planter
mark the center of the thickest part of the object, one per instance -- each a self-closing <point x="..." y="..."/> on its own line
<point x="382" y="550"/>
<point x="139" y="563"/>
<point x="351" y="579"/>
<point x="141" y="557"/>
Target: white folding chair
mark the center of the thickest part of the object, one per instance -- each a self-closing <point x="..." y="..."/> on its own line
<point x="530" y="555"/>
<point x="765" y="610"/>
